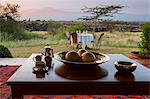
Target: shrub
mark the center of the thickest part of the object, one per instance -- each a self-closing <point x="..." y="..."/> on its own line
<point x="4" y="52"/>
<point x="60" y="35"/>
<point x="71" y="29"/>
<point x="4" y="36"/>
<point x="54" y="27"/>
<point x="74" y="28"/>
<point x="11" y="29"/>
<point x="144" y="44"/>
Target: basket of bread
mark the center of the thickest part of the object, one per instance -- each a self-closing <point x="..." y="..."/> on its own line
<point x="81" y="57"/>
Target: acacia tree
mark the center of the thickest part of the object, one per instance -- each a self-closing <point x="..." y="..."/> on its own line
<point x="10" y="11"/>
<point x="96" y="13"/>
<point x="10" y="28"/>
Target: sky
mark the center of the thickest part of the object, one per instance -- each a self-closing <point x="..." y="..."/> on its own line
<point x="134" y="10"/>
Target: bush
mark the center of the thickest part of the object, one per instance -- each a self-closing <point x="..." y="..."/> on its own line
<point x="71" y="29"/>
<point x="54" y="27"/>
<point x="58" y="29"/>
<point x="11" y="29"/>
<point x="4" y="52"/>
<point x="74" y="28"/>
<point x="60" y="35"/>
<point x="4" y="36"/>
<point x="144" y="44"/>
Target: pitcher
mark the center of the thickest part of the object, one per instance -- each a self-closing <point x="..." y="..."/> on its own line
<point x="48" y="51"/>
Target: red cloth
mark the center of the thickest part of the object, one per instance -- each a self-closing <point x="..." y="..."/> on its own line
<point x="6" y="72"/>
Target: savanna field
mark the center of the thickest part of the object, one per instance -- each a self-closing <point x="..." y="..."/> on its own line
<point x="112" y="42"/>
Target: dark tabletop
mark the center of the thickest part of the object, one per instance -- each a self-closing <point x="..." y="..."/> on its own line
<point x="24" y="73"/>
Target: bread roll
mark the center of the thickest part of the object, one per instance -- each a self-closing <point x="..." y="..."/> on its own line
<point x="81" y="51"/>
<point x="72" y="56"/>
<point x="88" y="57"/>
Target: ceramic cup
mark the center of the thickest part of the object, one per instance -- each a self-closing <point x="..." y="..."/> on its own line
<point x="39" y="66"/>
<point x="37" y="58"/>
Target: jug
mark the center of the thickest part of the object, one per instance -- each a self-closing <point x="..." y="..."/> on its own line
<point x="48" y="61"/>
<point x="48" y="51"/>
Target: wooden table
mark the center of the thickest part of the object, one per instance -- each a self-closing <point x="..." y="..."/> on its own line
<point x="24" y="82"/>
<point x="12" y="61"/>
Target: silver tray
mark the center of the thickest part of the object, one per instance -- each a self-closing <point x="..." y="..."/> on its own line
<point x="100" y="58"/>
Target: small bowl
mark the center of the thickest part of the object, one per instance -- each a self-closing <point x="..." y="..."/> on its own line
<point x="124" y="66"/>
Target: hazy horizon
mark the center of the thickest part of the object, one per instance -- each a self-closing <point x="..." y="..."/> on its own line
<point x="68" y="10"/>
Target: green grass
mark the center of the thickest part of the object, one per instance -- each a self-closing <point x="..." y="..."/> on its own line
<point x="37" y="40"/>
<point x="112" y="43"/>
<point x="120" y="39"/>
<point x="27" y="51"/>
<point x="28" y="43"/>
